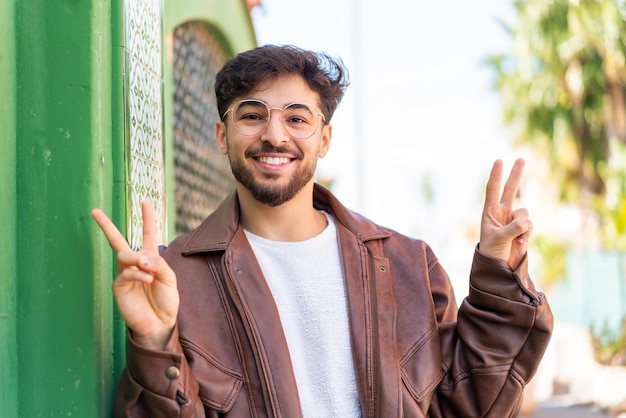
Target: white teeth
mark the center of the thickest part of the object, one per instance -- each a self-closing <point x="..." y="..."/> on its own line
<point x="274" y="160"/>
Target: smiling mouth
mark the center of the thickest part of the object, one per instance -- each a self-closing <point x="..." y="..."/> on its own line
<point x="274" y="160"/>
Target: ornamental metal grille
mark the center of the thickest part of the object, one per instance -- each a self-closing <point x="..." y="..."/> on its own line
<point x="202" y="175"/>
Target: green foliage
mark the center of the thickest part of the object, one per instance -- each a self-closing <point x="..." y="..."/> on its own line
<point x="612" y="209"/>
<point x="562" y="86"/>
<point x="610" y="347"/>
<point x="553" y="256"/>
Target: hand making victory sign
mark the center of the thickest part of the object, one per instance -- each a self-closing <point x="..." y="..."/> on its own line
<point x="145" y="287"/>
<point x="504" y="232"/>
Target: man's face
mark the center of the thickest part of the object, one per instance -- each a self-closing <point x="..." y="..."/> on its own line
<point x="274" y="166"/>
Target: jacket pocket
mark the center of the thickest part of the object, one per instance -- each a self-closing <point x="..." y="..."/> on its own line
<point x="421" y="367"/>
<point x="218" y="385"/>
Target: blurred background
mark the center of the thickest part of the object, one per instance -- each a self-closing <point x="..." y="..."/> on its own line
<point x="439" y="91"/>
<point x="108" y="104"/>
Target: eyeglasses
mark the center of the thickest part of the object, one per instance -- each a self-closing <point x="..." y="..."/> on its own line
<point x="251" y="117"/>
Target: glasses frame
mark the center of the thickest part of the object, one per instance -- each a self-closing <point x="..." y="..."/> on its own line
<point x="269" y="116"/>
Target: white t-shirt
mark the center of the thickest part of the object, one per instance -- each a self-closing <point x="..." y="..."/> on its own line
<point x="306" y="281"/>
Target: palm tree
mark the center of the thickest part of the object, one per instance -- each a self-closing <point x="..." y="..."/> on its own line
<point x="563" y="86"/>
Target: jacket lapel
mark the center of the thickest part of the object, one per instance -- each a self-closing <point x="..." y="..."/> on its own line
<point x="360" y="297"/>
<point x="256" y="306"/>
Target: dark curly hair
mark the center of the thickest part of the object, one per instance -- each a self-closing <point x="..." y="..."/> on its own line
<point x="323" y="74"/>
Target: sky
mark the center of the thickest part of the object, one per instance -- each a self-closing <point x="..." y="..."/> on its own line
<point x="419" y="127"/>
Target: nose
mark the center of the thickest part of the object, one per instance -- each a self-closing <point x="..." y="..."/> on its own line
<point x="275" y="132"/>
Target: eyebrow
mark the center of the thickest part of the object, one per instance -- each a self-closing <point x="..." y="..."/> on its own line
<point x="251" y="102"/>
<point x="298" y="105"/>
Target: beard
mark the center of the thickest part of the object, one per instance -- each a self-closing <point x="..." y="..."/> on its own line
<point x="268" y="192"/>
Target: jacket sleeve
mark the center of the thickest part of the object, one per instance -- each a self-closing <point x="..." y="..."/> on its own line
<point x="496" y="344"/>
<point x="157" y="383"/>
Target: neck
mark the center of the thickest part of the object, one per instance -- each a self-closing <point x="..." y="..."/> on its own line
<point x="295" y="220"/>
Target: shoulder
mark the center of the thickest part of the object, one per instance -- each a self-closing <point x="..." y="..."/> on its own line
<point x="175" y="249"/>
<point x="410" y="250"/>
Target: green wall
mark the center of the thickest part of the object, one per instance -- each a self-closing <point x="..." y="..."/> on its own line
<point x="231" y="18"/>
<point x="8" y="283"/>
<point x="63" y="151"/>
<point x="62" y="154"/>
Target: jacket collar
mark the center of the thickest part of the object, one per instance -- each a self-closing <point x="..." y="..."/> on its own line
<point x="216" y="232"/>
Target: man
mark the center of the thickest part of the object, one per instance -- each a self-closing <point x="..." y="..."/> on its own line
<point x="283" y="303"/>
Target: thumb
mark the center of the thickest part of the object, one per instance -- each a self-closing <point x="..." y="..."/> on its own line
<point x="159" y="269"/>
<point x="520" y="227"/>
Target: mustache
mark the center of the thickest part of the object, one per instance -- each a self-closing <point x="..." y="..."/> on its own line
<point x="266" y="148"/>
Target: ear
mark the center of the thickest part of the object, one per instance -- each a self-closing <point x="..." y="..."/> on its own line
<point x="220" y="137"/>
<point x="327" y="134"/>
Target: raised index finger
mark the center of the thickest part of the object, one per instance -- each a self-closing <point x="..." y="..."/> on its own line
<point x="492" y="195"/>
<point x="114" y="236"/>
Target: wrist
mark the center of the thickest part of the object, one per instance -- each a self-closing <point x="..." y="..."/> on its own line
<point x="156" y="341"/>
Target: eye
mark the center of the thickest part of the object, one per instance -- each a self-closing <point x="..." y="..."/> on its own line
<point x="297" y="114"/>
<point x="296" y="119"/>
<point x="250" y="116"/>
<point x="251" y="111"/>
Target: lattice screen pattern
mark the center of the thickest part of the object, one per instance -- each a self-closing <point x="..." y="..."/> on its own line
<point x="202" y="175"/>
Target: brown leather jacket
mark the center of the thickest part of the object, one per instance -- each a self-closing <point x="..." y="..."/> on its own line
<point x="413" y="355"/>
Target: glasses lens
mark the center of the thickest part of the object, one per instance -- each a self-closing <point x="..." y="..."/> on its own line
<point x="300" y="120"/>
<point x="250" y="117"/>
